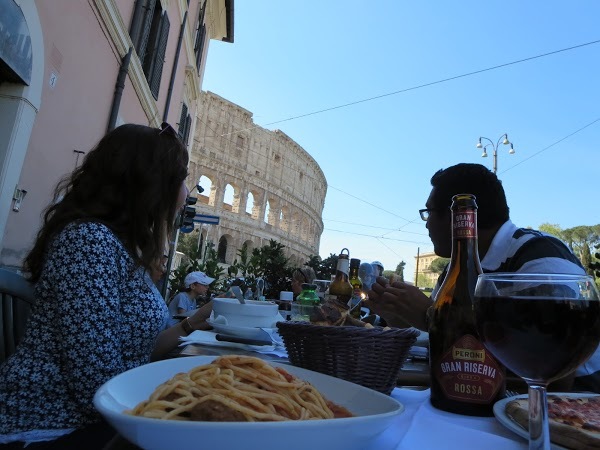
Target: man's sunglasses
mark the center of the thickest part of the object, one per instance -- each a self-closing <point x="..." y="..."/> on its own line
<point x="424" y="213"/>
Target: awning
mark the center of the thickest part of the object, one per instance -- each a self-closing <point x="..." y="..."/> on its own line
<point x="15" y="44"/>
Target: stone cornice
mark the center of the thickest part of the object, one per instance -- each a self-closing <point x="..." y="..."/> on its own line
<point x="192" y="81"/>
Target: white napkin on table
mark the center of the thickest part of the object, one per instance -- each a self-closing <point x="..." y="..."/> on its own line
<point x="210" y="338"/>
<point x="433" y="428"/>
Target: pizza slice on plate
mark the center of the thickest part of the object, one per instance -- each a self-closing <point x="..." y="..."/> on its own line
<point x="574" y="420"/>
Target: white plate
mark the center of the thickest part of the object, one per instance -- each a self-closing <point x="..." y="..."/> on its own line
<point x="243" y="332"/>
<point x="500" y="413"/>
<point x="375" y="412"/>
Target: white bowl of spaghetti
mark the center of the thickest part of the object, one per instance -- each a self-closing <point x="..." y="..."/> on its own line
<point x="165" y="420"/>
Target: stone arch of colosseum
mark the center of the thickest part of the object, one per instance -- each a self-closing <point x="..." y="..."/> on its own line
<point x="260" y="183"/>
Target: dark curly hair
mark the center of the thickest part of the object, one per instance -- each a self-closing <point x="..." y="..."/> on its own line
<point x="129" y="182"/>
<point x="473" y="179"/>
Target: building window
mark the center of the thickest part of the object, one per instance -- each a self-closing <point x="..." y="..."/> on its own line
<point x="185" y="123"/>
<point x="240" y="142"/>
<point x="222" y="250"/>
<point x="277" y="158"/>
<point x="149" y="33"/>
<point x="200" y="36"/>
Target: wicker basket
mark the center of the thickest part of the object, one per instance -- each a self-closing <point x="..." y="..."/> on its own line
<point x="371" y="357"/>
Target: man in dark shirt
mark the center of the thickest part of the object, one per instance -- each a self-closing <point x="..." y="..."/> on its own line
<point x="503" y="247"/>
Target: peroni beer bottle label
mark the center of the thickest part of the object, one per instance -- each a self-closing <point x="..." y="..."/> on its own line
<point x="468" y="372"/>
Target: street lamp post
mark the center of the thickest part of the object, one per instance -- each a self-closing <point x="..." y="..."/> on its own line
<point x="503" y="139"/>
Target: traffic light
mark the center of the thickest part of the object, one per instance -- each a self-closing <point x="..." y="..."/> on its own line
<point x="187" y="215"/>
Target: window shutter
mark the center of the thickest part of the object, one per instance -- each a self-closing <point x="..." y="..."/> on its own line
<point x="159" y="57"/>
<point x="200" y="37"/>
<point x="181" y="131"/>
<point x="188" y="127"/>
<point x="142" y="44"/>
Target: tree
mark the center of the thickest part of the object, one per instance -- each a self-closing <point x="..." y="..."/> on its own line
<point x="438" y="265"/>
<point x="316" y="263"/>
<point x="187" y="243"/>
<point x="328" y="267"/>
<point x="270" y="263"/>
<point x="580" y="239"/>
<point x="400" y="270"/>
<point x="595" y="265"/>
<point x="244" y="266"/>
<point x="210" y="266"/>
<point x="424" y="282"/>
<point x="551" y="228"/>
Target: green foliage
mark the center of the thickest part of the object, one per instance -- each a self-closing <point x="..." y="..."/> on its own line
<point x="400" y="267"/>
<point x="192" y="262"/>
<point x="424" y="282"/>
<point x="268" y="262"/>
<point x="595" y="265"/>
<point x="323" y="268"/>
<point x="581" y="239"/>
<point x="438" y="265"/>
<point x="400" y="270"/>
<point x="389" y="273"/>
<point x="551" y="228"/>
<point x="187" y="243"/>
<point x="244" y="266"/>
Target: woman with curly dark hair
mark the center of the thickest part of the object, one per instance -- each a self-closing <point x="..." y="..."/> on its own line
<point x="97" y="312"/>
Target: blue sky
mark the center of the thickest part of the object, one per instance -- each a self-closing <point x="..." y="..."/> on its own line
<point x="293" y="58"/>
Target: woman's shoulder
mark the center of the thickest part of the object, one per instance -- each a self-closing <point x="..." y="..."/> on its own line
<point x="88" y="230"/>
<point x="86" y="246"/>
<point x="88" y="236"/>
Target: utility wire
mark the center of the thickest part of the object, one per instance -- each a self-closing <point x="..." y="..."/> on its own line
<point x="368" y="203"/>
<point x="420" y="86"/>
<point x="374" y="226"/>
<point x="553" y="144"/>
<point x="379" y="237"/>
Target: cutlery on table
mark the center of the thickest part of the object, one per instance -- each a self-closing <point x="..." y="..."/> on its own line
<point x="240" y="340"/>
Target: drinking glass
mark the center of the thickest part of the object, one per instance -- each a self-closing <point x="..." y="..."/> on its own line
<point x="540" y="326"/>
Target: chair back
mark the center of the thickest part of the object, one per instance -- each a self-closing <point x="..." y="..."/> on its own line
<point x="17" y="298"/>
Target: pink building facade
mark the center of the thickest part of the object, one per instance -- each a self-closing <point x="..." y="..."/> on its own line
<point x="66" y="78"/>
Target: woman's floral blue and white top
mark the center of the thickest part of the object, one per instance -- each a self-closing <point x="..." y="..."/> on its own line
<point x="97" y="314"/>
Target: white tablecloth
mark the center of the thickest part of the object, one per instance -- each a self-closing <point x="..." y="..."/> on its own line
<point x="422" y="427"/>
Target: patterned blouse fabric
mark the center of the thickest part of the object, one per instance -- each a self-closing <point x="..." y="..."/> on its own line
<point x="97" y="314"/>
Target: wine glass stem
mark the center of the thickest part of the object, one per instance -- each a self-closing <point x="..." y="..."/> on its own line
<point x="539" y="434"/>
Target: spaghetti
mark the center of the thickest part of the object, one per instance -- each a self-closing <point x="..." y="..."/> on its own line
<point x="237" y="388"/>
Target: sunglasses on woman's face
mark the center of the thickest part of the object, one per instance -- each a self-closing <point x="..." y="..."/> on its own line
<point x="167" y="129"/>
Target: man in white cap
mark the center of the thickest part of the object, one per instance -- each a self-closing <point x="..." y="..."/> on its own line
<point x="196" y="284"/>
<point x="379" y="267"/>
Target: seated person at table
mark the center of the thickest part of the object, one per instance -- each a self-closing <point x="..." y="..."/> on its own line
<point x="159" y="273"/>
<point x="196" y="284"/>
<point x="300" y="276"/>
<point x="97" y="312"/>
<point x="502" y="248"/>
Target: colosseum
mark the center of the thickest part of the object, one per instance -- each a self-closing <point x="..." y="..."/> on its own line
<point x="261" y="184"/>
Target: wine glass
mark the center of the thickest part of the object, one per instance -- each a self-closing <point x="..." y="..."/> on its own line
<point x="541" y="327"/>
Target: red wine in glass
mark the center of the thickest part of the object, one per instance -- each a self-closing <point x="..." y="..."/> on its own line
<point x="541" y="327"/>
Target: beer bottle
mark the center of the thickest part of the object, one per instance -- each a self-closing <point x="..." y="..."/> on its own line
<point x="465" y="377"/>
<point x="340" y="288"/>
<point x="357" y="292"/>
